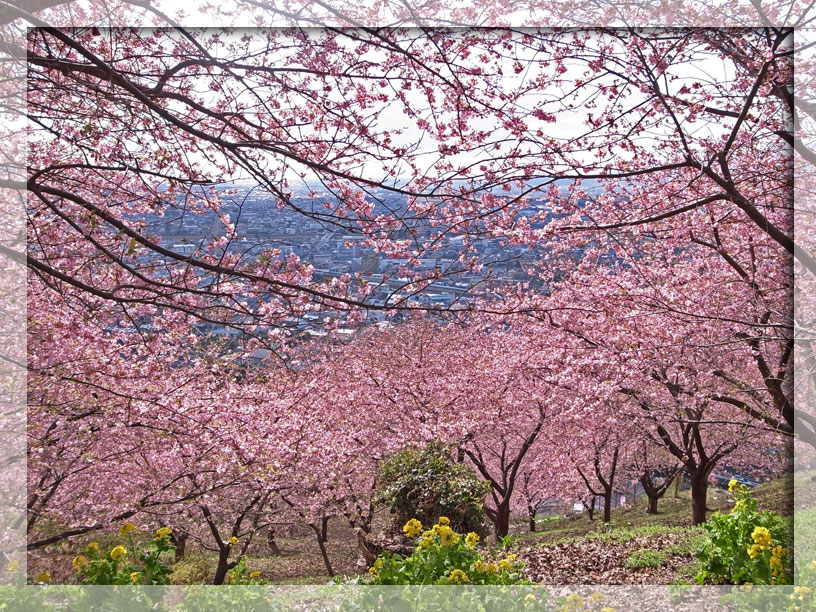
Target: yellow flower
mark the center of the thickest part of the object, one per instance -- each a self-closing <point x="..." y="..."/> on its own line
<point x="126" y="529"/>
<point x="479" y="566"/>
<point x="118" y="552"/>
<point x="254" y="574"/>
<point x="93" y="547"/>
<point x="491" y="568"/>
<point x="13" y="565"/>
<point x="597" y="597"/>
<point x="778" y="551"/>
<point x="443" y="520"/>
<point x="232" y="541"/>
<point x="134" y="577"/>
<point x="607" y="609"/>
<point x="530" y="600"/>
<point x="747" y="587"/>
<point x="79" y="562"/>
<point x="575" y="602"/>
<point x="448" y="535"/>
<point x="732" y="484"/>
<point x="372" y="571"/>
<point x="412" y="528"/>
<point x="163" y="532"/>
<point x="471" y="539"/>
<point x="426" y="542"/>
<point x="754" y="550"/>
<point x="44" y="577"/>
<point x="761" y="536"/>
<point x="505" y="565"/>
<point x="457" y="576"/>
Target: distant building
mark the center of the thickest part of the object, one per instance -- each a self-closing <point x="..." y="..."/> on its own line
<point x="370" y="263"/>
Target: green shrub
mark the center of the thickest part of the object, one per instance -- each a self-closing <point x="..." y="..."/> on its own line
<point x="800" y="598"/>
<point x="645" y="558"/>
<point x="745" y="545"/>
<point x="443" y="556"/>
<point x="425" y="484"/>
<point x="119" y="566"/>
<point x="192" y="569"/>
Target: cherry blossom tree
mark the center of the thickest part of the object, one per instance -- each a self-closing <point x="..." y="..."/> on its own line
<point x="655" y="470"/>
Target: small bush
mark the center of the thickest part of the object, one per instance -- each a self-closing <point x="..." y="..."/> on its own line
<point x="192" y="569"/>
<point x="443" y="556"/>
<point x="425" y="484"/>
<point x="745" y="545"/>
<point x="645" y="558"/>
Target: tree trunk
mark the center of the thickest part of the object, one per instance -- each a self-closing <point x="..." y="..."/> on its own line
<point x="653" y="493"/>
<point x="180" y="542"/>
<point x="607" y="507"/>
<point x="532" y="514"/>
<point x="323" y="551"/>
<point x="223" y="566"/>
<point x="271" y="543"/>
<point x="591" y="508"/>
<point x="501" y="522"/>
<point x="324" y="529"/>
<point x="699" y="492"/>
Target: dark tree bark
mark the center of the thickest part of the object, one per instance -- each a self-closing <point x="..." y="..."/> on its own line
<point x="699" y="495"/>
<point x="323" y="552"/>
<point x="224" y="565"/>
<point x="324" y="529"/>
<point x="179" y="540"/>
<point x="271" y="543"/>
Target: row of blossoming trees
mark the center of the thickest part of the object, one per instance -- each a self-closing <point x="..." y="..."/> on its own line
<point x="662" y="339"/>
<point x="127" y="429"/>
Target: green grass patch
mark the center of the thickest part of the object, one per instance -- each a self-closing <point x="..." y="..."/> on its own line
<point x="644" y="557"/>
<point x="687" y="547"/>
<point x="689" y="570"/>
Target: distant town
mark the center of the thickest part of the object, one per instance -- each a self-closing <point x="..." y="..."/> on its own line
<point x="335" y="250"/>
